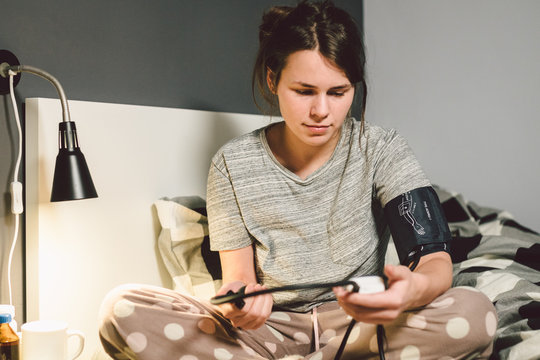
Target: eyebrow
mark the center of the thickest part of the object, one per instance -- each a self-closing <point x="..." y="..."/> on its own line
<point x="309" y="86"/>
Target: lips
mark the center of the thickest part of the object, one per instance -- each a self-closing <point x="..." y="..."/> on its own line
<point x="317" y="129"/>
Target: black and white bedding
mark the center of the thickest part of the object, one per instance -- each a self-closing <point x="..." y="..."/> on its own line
<point x="493" y="253"/>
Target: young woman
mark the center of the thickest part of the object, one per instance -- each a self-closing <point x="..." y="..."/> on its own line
<point x="308" y="200"/>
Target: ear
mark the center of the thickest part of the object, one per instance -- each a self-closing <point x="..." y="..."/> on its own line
<point x="270" y="80"/>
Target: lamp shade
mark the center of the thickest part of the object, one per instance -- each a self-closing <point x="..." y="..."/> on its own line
<point x="72" y="180"/>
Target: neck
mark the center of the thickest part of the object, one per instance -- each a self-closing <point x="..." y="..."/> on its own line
<point x="298" y="157"/>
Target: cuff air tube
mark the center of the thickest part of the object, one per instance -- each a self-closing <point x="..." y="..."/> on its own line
<point x="417" y="224"/>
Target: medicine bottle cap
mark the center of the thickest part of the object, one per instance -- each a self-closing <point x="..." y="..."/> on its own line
<point x="5" y="318"/>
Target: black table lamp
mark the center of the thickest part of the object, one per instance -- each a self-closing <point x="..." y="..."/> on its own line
<point x="72" y="180"/>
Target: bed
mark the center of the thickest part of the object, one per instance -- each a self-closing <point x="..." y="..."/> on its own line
<point x="148" y="225"/>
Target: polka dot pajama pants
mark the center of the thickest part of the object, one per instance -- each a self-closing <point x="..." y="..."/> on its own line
<point x="151" y="323"/>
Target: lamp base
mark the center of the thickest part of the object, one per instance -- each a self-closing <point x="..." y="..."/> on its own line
<point x="7" y="57"/>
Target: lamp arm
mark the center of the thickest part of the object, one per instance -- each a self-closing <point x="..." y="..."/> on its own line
<point x="33" y="70"/>
<point x="72" y="180"/>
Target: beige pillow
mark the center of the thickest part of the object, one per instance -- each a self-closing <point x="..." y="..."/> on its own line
<point x="184" y="246"/>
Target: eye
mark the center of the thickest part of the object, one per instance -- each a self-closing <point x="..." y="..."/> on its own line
<point x="304" y="91"/>
<point x="339" y="91"/>
<point x="336" y="93"/>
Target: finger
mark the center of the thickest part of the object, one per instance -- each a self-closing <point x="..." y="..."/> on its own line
<point x="227" y="309"/>
<point x="394" y="273"/>
<point x="340" y="291"/>
<point x="360" y="306"/>
<point x="266" y="302"/>
<point x="371" y="315"/>
<point x="251" y="288"/>
<point x="261" y="307"/>
<point x="380" y="300"/>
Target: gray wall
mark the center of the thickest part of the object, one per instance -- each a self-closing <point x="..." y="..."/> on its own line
<point x="172" y="53"/>
<point x="460" y="79"/>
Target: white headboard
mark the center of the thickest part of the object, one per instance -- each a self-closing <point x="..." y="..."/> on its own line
<point x="77" y="251"/>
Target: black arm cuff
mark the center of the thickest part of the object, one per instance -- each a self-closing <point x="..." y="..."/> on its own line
<point x="417" y="224"/>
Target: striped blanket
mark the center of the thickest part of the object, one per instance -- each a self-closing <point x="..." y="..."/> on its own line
<point x="496" y="255"/>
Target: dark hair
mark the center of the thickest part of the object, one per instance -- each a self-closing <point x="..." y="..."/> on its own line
<point x="308" y="26"/>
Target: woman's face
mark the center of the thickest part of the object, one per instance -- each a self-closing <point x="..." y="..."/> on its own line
<point x="314" y="98"/>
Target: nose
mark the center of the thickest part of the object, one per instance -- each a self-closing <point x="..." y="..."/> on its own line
<point x="319" y="107"/>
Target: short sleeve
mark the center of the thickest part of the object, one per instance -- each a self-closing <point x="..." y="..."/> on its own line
<point x="397" y="170"/>
<point x="226" y="227"/>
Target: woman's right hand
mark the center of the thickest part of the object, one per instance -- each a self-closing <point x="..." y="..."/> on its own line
<point x="255" y="311"/>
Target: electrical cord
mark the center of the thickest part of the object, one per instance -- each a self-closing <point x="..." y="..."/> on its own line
<point x="381" y="335"/>
<point x="234" y="297"/>
<point x="237" y="299"/>
<point x="16" y="186"/>
<point x="344" y="341"/>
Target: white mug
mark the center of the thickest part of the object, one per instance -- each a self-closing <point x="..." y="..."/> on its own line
<point x="48" y="340"/>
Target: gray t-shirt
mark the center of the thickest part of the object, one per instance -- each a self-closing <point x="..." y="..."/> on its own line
<point x="325" y="228"/>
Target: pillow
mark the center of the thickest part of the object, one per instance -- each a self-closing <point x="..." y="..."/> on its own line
<point x="184" y="246"/>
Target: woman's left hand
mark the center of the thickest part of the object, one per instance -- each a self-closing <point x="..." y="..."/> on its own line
<point x="406" y="290"/>
<point x="383" y="307"/>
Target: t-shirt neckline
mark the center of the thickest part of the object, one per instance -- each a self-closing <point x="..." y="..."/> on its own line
<point x="344" y="129"/>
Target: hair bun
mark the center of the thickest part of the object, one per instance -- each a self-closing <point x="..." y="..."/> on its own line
<point x="271" y="19"/>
